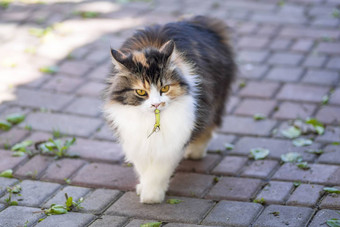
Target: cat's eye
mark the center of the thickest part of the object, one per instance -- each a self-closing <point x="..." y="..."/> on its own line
<point x="165" y="89"/>
<point x="141" y="92"/>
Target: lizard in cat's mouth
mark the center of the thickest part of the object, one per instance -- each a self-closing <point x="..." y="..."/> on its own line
<point x="157" y="124"/>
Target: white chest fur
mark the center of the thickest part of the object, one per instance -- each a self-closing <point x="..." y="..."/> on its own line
<point x="134" y="126"/>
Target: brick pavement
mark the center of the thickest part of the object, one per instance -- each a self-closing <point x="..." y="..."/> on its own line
<point x="289" y="59"/>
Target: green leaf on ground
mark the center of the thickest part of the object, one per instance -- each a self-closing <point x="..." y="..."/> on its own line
<point x="325" y="99"/>
<point x="57" y="148"/>
<point x="259" y="153"/>
<point x="242" y="84"/>
<point x="297" y="183"/>
<point x="260" y="201"/>
<point x="336" y="13"/>
<point x="332" y="190"/>
<point x="7" y="173"/>
<point x="293" y="157"/>
<point x="259" y="117"/>
<point x="303" y="165"/>
<point x="315" y="151"/>
<point x="49" y="69"/>
<point x="5" y="3"/>
<point x="335" y="143"/>
<point x="40" y="32"/>
<point x="86" y="14"/>
<point x="151" y="224"/>
<point x="174" y="201"/>
<point x="229" y="146"/>
<point x="300" y="142"/>
<point x="333" y="222"/>
<point x="15" y="118"/>
<point x="318" y="126"/>
<point x="22" y="145"/>
<point x="5" y="126"/>
<point x="291" y="133"/>
<point x="67" y="181"/>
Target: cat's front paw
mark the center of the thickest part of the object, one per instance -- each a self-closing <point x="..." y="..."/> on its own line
<point x="152" y="196"/>
<point x="138" y="188"/>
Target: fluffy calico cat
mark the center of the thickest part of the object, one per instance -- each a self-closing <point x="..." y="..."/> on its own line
<point x="182" y="69"/>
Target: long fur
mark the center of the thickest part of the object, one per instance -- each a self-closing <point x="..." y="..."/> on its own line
<point x="193" y="56"/>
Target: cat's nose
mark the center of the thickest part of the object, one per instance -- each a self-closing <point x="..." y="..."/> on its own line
<point x="156" y="105"/>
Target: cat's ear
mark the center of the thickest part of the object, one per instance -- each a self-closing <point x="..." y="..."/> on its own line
<point x="119" y="59"/>
<point x="167" y="48"/>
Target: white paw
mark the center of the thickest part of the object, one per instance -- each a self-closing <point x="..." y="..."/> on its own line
<point x="152" y="196"/>
<point x="194" y="155"/>
<point x="138" y="188"/>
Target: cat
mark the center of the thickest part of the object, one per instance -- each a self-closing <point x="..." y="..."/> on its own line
<point x="184" y="70"/>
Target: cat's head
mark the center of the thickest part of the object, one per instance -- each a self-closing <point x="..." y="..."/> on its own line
<point x="147" y="79"/>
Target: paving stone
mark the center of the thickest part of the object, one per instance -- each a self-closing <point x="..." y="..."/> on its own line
<point x="18" y="216"/>
<point x="59" y="198"/>
<point x="297" y="92"/>
<point x="268" y="29"/>
<point x="109" y="221"/>
<point x="261" y="89"/>
<point x="260" y="168"/>
<point x="333" y="63"/>
<point x="232" y="103"/>
<point x="6" y="182"/>
<point x="285" y="58"/>
<point x="190" y="184"/>
<point x="107" y="176"/>
<point x="322" y="216"/>
<point x="313" y="33"/>
<point x="100" y="73"/>
<point x="41" y="99"/>
<point x="2" y="206"/>
<point x="252" y="71"/>
<point x="12" y="137"/>
<point x="188" y="211"/>
<point x="91" y="88"/>
<point x="70" y="219"/>
<point x="247" y="28"/>
<point x="75" y="68"/>
<point x="66" y="124"/>
<point x="98" y="56"/>
<point x="244" y="125"/>
<point x="287" y="216"/>
<point x="250" y="107"/>
<point x="318" y="173"/>
<point x="275" y="192"/>
<point x="199" y="166"/>
<point x="7" y="161"/>
<point x="303" y="45"/>
<point x="139" y="222"/>
<point x="256" y="42"/>
<point x="98" y="200"/>
<point x="329" y="48"/>
<point x="280" y="44"/>
<point x="33" y="193"/>
<point x="34" y="167"/>
<point x="62" y="169"/>
<point x="319" y="77"/>
<point x="218" y="142"/>
<point x="105" y="133"/>
<point x="230" y="165"/>
<point x="229" y="213"/>
<point x="291" y="110"/>
<point x="105" y="151"/>
<point x="61" y="83"/>
<point x="331" y="155"/>
<point x="331" y="201"/>
<point x="85" y="106"/>
<point x="39" y="136"/>
<point x="252" y="56"/>
<point x="277" y="147"/>
<point x="232" y="188"/>
<point x="305" y="195"/>
<point x="314" y="61"/>
<point x="332" y="134"/>
<point x="335" y="97"/>
<point x="329" y="114"/>
<point x="284" y="74"/>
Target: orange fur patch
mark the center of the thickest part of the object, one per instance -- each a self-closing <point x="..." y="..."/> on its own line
<point x="139" y="57"/>
<point x="175" y="91"/>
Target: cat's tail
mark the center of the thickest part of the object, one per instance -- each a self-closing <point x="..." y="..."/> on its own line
<point x="215" y="25"/>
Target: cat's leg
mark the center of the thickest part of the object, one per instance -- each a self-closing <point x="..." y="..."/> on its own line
<point x="197" y="149"/>
<point x="155" y="180"/>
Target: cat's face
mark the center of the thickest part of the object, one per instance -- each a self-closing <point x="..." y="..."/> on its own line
<point x="147" y="79"/>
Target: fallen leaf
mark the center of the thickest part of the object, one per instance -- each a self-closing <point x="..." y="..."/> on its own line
<point x="303" y="165"/>
<point x="291" y="133"/>
<point x="291" y="157"/>
<point x="15" y="118"/>
<point x="229" y="146"/>
<point x="174" y="201"/>
<point x="151" y="224"/>
<point x="49" y="69"/>
<point x="259" y="117"/>
<point x="331" y="190"/>
<point x="333" y="222"/>
<point x="5" y="126"/>
<point x="315" y="151"/>
<point x="7" y="173"/>
<point x="300" y="142"/>
<point x="259" y="153"/>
